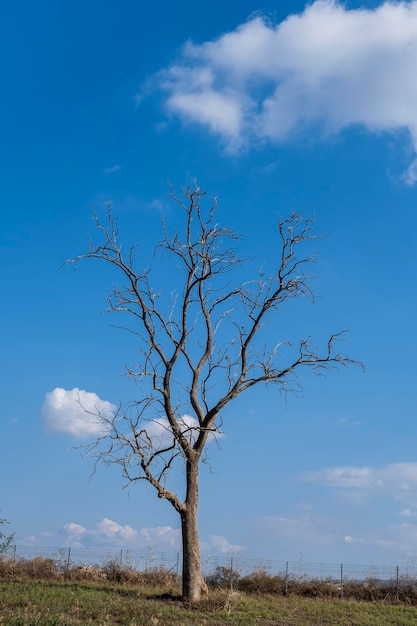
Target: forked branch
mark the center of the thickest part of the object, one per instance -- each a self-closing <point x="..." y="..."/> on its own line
<point x="206" y="348"/>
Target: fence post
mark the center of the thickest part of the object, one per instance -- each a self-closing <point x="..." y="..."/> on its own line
<point x="121" y="559"/>
<point x="286" y="578"/>
<point x="231" y="573"/>
<point x="341" y="581"/>
<point x="14" y="558"/>
<point x="398" y="583"/>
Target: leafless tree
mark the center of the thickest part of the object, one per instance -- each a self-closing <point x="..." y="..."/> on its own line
<point x="200" y="348"/>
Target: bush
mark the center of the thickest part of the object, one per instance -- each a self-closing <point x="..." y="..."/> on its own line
<point x="157" y="576"/>
<point x="223" y="578"/>
<point x="262" y="582"/>
<point x="40" y="568"/>
<point x="87" y="572"/>
<point x="258" y="582"/>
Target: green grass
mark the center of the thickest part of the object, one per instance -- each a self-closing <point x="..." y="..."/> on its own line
<point x="52" y="603"/>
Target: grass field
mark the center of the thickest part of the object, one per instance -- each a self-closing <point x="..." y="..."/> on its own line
<point x="44" y="592"/>
<point x="60" y="603"/>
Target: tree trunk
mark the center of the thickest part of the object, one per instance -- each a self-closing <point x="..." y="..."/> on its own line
<point x="193" y="586"/>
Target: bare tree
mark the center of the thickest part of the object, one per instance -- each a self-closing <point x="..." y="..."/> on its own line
<point x="201" y="348"/>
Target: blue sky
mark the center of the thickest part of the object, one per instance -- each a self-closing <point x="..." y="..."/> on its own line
<point x="273" y="107"/>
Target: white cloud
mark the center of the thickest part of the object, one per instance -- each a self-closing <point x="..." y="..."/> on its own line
<point x="410" y="175"/>
<point x="112" y="170"/>
<point x="399" y="479"/>
<point x="220" y="112"/>
<point x="74" y="529"/>
<point x="113" y="530"/>
<point x="328" y="67"/>
<point x="107" y="531"/>
<point x="77" y="412"/>
<point x="407" y="512"/>
<point x="305" y="527"/>
<point x="110" y="533"/>
<point x="400" y="539"/>
<point x="161" y="535"/>
<point x="159" y="430"/>
<point x="67" y="411"/>
<point x="222" y="545"/>
<point x="300" y="531"/>
<point x="360" y="477"/>
<point x="347" y="422"/>
<point x="322" y="537"/>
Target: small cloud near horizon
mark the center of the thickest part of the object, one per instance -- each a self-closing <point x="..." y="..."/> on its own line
<point x="108" y="532"/>
<point x="222" y="545"/>
<point x="396" y="482"/>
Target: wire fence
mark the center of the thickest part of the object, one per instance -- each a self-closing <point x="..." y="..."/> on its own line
<point x="145" y="560"/>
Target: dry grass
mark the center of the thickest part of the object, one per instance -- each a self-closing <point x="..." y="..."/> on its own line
<point x="40" y="568"/>
<point x="369" y="590"/>
<point x="44" y="592"/>
<point x="55" y="603"/>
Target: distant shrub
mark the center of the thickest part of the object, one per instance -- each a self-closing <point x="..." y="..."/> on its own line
<point x="113" y="571"/>
<point x="223" y="578"/>
<point x="6" y="568"/>
<point x="40" y="568"/>
<point x="260" y="581"/>
<point x="369" y="590"/>
<point x="87" y="572"/>
<point x="158" y="576"/>
<point x="407" y="590"/>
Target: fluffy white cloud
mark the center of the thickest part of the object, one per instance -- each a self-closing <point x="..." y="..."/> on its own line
<point x="165" y="535"/>
<point x="327" y="67"/>
<point x="113" y="530"/>
<point x="222" y="545"/>
<point x="74" y="529"/>
<point x="110" y="533"/>
<point x="78" y="412"/>
<point x="220" y="112"/>
<point x="107" y="531"/>
<point x="75" y="412"/>
<point x="398" y="478"/>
